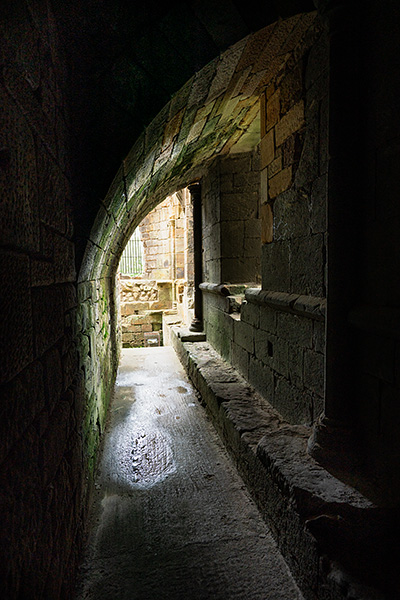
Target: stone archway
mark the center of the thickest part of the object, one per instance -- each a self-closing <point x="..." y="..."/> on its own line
<point x="216" y="113"/>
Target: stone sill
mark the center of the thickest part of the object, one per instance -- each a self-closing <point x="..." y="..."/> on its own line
<point x="306" y="306"/>
<point x="225" y="289"/>
<point x="232" y="295"/>
<point x="327" y="531"/>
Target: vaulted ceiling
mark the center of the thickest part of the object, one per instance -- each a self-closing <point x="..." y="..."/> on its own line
<point x="126" y="58"/>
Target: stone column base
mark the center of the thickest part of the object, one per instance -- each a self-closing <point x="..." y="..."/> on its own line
<point x="196" y="325"/>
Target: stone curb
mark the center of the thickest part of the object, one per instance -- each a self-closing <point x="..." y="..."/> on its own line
<point x="322" y="526"/>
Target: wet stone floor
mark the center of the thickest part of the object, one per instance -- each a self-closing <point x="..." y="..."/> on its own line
<point x="172" y="520"/>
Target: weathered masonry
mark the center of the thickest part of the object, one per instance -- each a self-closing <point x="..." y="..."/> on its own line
<point x="282" y="122"/>
<point x="166" y="281"/>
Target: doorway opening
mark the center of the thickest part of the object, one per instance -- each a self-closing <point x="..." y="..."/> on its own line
<point x="156" y="273"/>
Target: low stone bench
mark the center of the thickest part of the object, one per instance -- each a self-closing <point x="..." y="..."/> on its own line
<point x="330" y="534"/>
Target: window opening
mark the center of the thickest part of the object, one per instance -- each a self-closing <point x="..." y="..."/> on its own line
<point x="132" y="259"/>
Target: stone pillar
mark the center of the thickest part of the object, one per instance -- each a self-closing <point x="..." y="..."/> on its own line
<point x="195" y="193"/>
<point x="332" y="440"/>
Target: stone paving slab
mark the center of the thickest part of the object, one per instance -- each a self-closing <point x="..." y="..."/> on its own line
<point x="171" y="518"/>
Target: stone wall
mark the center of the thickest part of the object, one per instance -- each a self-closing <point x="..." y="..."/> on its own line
<point x="231" y="224"/>
<point x="293" y="152"/>
<point x="142" y="303"/>
<point x="277" y="339"/>
<point x="42" y="452"/>
<point x="164" y="234"/>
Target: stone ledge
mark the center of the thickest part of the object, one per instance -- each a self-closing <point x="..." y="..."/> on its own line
<point x="214" y="288"/>
<point x="307" y="306"/>
<point x="224" y="289"/>
<point x="329" y="533"/>
<point x="185" y="335"/>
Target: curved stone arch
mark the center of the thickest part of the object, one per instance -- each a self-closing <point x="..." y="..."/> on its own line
<point x="216" y="112"/>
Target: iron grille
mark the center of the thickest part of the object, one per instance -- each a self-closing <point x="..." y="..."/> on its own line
<point x="132" y="259"/>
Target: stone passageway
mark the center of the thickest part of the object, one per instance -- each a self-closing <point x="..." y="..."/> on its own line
<point x="171" y="517"/>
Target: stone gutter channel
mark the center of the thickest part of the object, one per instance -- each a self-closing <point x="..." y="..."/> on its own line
<point x="332" y="537"/>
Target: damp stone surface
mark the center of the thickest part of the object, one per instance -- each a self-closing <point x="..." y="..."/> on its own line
<point x="171" y="518"/>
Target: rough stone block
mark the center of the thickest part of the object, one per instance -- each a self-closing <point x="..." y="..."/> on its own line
<point x="307" y="266"/>
<point x="319" y="336"/>
<point x="54" y="441"/>
<point x="317" y="60"/>
<point x="292" y="148"/>
<point x="70" y="361"/>
<point x="221" y="337"/>
<point x="225" y="70"/>
<point x="267" y="223"/>
<point x="295" y="329"/>
<point x="324" y="136"/>
<point x="64" y="260"/>
<point x="296" y="365"/>
<point x="250" y="313"/>
<point x="42" y="272"/>
<point x="254" y="47"/>
<point x="275" y="167"/>
<point x="273" y="109"/>
<point x="268" y="319"/>
<point x="239" y="206"/>
<point x="319" y="198"/>
<point x="240" y="359"/>
<point x="272" y="351"/>
<point x="308" y="168"/>
<point x="243" y="335"/>
<point x="48" y="317"/>
<point x="172" y="128"/>
<point x="276" y="266"/>
<point x="240" y="270"/>
<point x="263" y="347"/>
<point x="293" y="404"/>
<point x="252" y="228"/>
<point x="290" y="123"/>
<point x="226" y="182"/>
<point x="54" y="192"/>
<point x="261" y="378"/>
<point x="19" y="221"/>
<point x="243" y="181"/>
<point x="232" y="239"/>
<point x="22" y="399"/>
<point x="16" y="330"/>
<point x="276" y="40"/>
<point x="263" y="115"/>
<point x="280" y="182"/>
<point x="291" y="88"/>
<point x="252" y="247"/>
<point x="264" y="186"/>
<point x="53" y="376"/>
<point x="314" y="371"/>
<point x="291" y="215"/>
<point x="236" y="164"/>
<point x="267" y="149"/>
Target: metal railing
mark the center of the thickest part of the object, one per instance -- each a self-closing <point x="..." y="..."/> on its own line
<point x="132" y="259"/>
